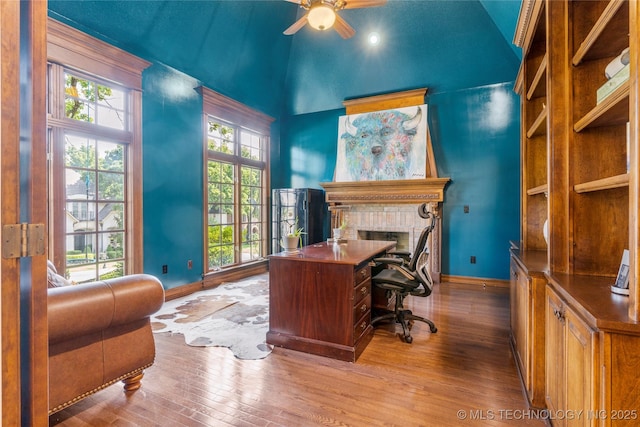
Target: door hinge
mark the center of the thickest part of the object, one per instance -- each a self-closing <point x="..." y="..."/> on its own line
<point x="22" y="240"/>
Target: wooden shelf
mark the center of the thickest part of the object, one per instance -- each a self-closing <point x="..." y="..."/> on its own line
<point x="603" y="184"/>
<point x="540" y="189"/>
<point x="613" y="110"/>
<point x="604" y="39"/>
<point x="538" y="84"/>
<point x="539" y="126"/>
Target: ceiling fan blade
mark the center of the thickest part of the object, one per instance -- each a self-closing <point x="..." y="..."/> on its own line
<point x="359" y="4"/>
<point x="345" y="30"/>
<point x="296" y="26"/>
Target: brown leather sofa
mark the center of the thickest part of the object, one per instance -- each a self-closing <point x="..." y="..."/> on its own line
<point x="100" y="333"/>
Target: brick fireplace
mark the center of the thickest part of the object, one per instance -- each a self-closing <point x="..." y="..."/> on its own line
<point x="388" y="210"/>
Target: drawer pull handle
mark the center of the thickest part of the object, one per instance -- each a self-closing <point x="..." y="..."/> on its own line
<point x="363" y="325"/>
<point x="363" y="290"/>
<point x="363" y="308"/>
<point x="558" y="314"/>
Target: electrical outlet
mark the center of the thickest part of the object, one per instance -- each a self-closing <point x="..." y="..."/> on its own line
<point x="189" y="264"/>
<point x="473" y="259"/>
<point x="165" y="269"/>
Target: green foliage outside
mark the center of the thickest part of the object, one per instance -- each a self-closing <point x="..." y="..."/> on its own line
<point x="117" y="272"/>
<point x="78" y="90"/>
<point x="78" y="257"/>
<point x="222" y="187"/>
<point x="220" y="246"/>
<point x="104" y="170"/>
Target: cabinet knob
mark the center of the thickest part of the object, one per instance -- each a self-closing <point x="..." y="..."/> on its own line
<point x="558" y="313"/>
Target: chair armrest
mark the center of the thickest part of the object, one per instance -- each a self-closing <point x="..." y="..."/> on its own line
<point x="400" y="253"/>
<point x="388" y="260"/>
<point x="78" y="310"/>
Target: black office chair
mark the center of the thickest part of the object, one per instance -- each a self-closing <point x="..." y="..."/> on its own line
<point x="407" y="275"/>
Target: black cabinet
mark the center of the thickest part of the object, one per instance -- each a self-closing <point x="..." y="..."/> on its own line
<point x="298" y="208"/>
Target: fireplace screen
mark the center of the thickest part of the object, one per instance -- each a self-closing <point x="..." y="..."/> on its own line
<point x="401" y="238"/>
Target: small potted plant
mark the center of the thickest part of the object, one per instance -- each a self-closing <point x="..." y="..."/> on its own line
<point x="291" y="241"/>
<point x="338" y="233"/>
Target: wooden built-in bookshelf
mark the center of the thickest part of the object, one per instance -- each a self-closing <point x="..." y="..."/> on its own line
<point x="589" y="190"/>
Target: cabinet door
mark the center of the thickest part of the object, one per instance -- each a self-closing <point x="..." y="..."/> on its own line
<point x="555" y="360"/>
<point x="579" y="347"/>
<point x="513" y="283"/>
<point x="521" y="324"/>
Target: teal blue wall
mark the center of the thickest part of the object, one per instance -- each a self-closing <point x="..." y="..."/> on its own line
<point x="475" y="135"/>
<point x="172" y="175"/>
<point x="308" y="150"/>
<point x="237" y="49"/>
<point x="249" y="68"/>
<point x="442" y="45"/>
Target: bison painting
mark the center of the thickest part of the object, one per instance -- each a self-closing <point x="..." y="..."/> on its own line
<point x="382" y="145"/>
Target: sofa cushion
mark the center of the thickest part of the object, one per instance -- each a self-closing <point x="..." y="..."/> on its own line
<point x="54" y="280"/>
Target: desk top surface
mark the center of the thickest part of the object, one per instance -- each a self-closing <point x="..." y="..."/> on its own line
<point x="350" y="252"/>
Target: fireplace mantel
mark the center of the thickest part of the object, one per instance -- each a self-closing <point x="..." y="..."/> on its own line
<point x="413" y="191"/>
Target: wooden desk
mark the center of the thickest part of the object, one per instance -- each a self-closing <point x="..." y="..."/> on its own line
<point x="320" y="298"/>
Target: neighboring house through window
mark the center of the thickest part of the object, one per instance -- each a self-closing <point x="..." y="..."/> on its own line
<point x="236" y="155"/>
<point x="94" y="122"/>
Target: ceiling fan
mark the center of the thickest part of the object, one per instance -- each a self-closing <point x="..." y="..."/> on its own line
<point x="322" y="15"/>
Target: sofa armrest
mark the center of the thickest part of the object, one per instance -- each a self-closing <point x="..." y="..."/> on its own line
<point x="93" y="307"/>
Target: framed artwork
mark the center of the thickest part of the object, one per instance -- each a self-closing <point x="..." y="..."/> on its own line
<point x="383" y="145"/>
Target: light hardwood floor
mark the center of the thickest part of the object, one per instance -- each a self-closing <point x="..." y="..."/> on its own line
<point x="464" y="375"/>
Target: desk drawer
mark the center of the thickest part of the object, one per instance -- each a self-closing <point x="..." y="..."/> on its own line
<point x="361" y="326"/>
<point x="362" y="290"/>
<point x="361" y="308"/>
<point x="362" y="274"/>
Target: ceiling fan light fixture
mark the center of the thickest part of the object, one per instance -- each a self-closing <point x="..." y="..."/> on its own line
<point x="321" y="17"/>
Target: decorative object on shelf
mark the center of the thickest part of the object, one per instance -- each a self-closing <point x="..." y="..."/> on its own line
<point x="612" y="84"/>
<point x="617" y="64"/>
<point x="622" y="280"/>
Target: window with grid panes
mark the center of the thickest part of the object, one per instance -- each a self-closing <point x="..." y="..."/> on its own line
<point x="236" y="174"/>
<point x="94" y="162"/>
<point x="235" y="188"/>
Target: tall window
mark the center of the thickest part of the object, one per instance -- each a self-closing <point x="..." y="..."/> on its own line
<point x="236" y="164"/>
<point x="94" y="145"/>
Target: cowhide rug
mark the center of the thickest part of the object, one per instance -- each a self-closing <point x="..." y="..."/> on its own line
<point x="233" y="315"/>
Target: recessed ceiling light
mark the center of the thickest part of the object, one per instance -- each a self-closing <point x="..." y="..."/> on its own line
<point x="374" y="39"/>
